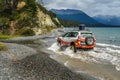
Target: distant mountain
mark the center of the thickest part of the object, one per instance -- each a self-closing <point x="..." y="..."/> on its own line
<point x="76" y="15"/>
<point x="108" y="20"/>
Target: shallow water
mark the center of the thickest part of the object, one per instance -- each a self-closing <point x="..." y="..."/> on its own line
<point x="103" y="62"/>
<point x="107" y="35"/>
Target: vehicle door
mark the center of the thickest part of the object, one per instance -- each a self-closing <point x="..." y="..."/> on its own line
<point x="65" y="37"/>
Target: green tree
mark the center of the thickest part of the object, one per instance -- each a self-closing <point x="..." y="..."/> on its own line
<point x="12" y="3"/>
<point x="1" y="1"/>
<point x="15" y="3"/>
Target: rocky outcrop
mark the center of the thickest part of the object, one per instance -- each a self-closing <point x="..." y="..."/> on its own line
<point x="45" y="23"/>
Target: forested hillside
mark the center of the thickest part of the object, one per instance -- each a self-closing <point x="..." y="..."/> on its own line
<point x="25" y="17"/>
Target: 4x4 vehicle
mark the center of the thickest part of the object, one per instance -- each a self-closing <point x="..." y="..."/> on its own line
<point x="77" y="39"/>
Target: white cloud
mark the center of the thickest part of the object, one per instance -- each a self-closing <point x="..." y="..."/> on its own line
<point x="91" y="7"/>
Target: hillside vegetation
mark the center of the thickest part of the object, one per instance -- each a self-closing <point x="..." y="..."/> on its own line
<point x="69" y="23"/>
<point x="25" y="17"/>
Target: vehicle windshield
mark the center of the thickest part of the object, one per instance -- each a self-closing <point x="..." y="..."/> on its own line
<point x="70" y="34"/>
<point x="86" y="34"/>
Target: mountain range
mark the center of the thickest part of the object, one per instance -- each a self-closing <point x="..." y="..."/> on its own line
<point x="108" y="20"/>
<point x="80" y="16"/>
<point x="76" y="15"/>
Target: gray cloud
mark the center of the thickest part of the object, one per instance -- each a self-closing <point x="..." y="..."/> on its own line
<point x="91" y="7"/>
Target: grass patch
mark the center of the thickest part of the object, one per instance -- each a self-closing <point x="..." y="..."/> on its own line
<point x="3" y="47"/>
<point x="6" y="36"/>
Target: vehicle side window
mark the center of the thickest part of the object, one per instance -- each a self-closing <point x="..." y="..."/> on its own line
<point x="65" y="35"/>
<point x="76" y="33"/>
<point x="72" y="34"/>
<point x="86" y="34"/>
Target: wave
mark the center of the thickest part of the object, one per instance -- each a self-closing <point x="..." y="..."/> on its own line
<point x="108" y="45"/>
<point x="102" y="54"/>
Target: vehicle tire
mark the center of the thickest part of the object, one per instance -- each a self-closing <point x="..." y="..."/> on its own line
<point x="89" y="41"/>
<point x="73" y="48"/>
<point x="59" y="45"/>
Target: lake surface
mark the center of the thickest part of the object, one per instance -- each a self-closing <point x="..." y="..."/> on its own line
<point x="107" y="35"/>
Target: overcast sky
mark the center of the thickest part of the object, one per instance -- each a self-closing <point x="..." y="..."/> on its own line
<point x="90" y="7"/>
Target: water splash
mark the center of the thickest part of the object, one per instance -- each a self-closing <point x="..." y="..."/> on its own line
<point x="102" y="54"/>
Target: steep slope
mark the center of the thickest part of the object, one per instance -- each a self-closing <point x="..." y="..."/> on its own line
<point x="77" y="15"/>
<point x="25" y="17"/>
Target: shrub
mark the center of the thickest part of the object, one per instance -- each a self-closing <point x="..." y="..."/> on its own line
<point x="5" y="32"/>
<point x="28" y="32"/>
<point x="25" y="32"/>
<point x="49" y="28"/>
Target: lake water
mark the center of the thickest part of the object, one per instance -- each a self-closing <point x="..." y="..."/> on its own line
<point x="107" y="35"/>
<point x="103" y="62"/>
